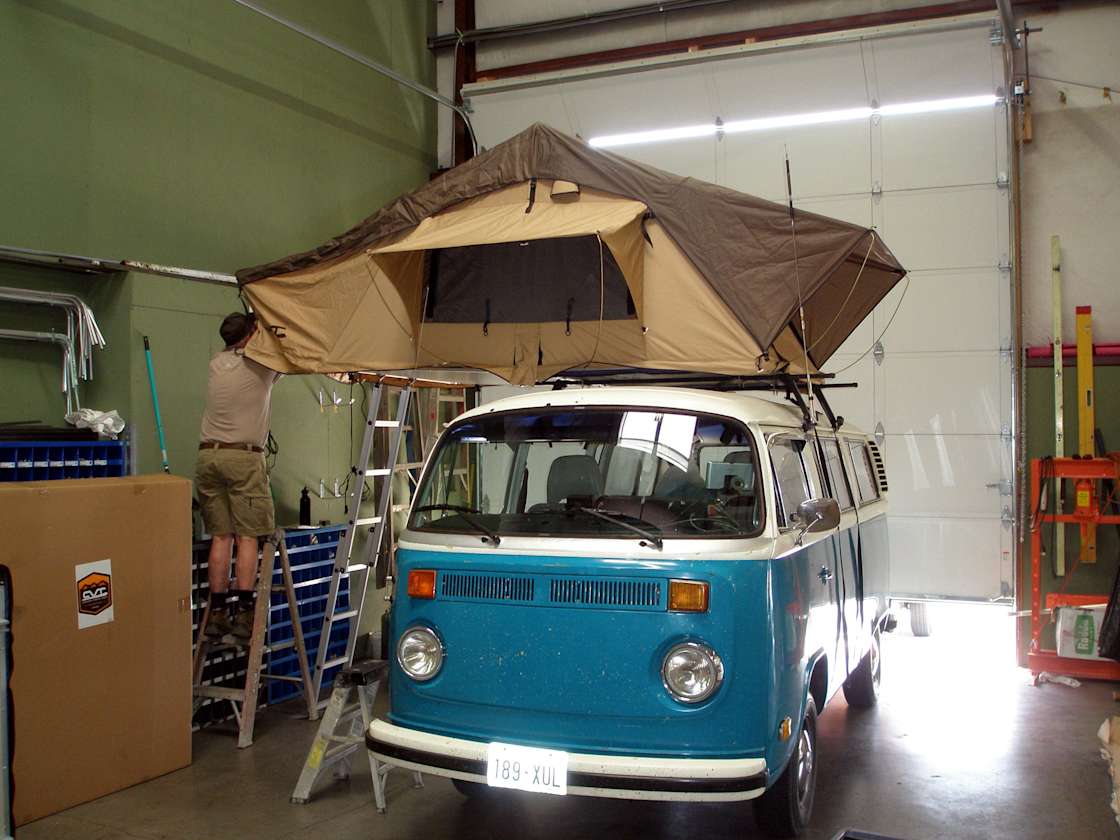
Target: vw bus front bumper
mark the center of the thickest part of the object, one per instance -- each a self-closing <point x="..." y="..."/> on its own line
<point x="612" y="776"/>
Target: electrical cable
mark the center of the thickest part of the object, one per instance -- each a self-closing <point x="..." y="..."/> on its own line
<point x="859" y="358"/>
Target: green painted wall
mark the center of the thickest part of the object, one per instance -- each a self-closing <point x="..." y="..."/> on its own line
<point x="1086" y="579"/>
<point x="195" y="133"/>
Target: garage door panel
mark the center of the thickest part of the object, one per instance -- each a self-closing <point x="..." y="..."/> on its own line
<point x="936" y="65"/>
<point x="642" y="102"/>
<point x="824" y="78"/>
<point x="928" y="553"/>
<point x="824" y="160"/>
<point x="942" y="393"/>
<point x="499" y="116"/>
<point x="944" y="228"/>
<point x="943" y="311"/>
<point x="945" y="475"/>
<point x="924" y="150"/>
<point x="855" y="209"/>
<point x="695" y="156"/>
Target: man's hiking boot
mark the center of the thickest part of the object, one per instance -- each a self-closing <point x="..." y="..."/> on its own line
<point x="243" y="625"/>
<point x="218" y="625"/>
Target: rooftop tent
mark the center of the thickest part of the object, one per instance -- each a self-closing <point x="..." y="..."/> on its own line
<point x="543" y="254"/>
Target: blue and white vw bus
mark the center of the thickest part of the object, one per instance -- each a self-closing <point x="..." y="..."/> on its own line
<point x="639" y="593"/>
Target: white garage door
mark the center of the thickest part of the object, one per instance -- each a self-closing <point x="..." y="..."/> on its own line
<point x="931" y="178"/>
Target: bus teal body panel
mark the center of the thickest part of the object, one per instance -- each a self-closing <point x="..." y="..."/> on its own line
<point x="585" y="677"/>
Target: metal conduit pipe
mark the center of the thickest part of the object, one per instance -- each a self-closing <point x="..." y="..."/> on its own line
<point x="69" y="369"/>
<point x="515" y="30"/>
<point x="365" y="61"/>
<point x="81" y="326"/>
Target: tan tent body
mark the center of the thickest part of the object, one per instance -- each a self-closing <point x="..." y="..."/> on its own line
<point x="543" y="255"/>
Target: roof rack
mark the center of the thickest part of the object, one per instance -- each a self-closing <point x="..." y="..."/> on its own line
<point x="792" y="387"/>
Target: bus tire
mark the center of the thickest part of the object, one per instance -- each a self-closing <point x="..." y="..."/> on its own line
<point x="920" y="624"/>
<point x="786" y="807"/>
<point x="861" y="689"/>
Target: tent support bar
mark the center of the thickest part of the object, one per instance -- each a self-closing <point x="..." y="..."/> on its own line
<point x="365" y="61"/>
<point x="95" y="265"/>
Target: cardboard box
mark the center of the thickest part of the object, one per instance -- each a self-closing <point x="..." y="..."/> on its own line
<point x="101" y="635"/>
<point x="1079" y="630"/>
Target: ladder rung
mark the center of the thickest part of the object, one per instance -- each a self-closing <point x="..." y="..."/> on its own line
<point x="355" y="567"/>
<point x="284" y="677"/>
<point x="369" y="520"/>
<point x="385" y="424"/>
<point x="219" y="692"/>
<point x="411" y="465"/>
<point x="332" y="756"/>
<point x="376" y="472"/>
<point x="338" y="660"/>
<point x="342" y="616"/>
<point x="284" y="645"/>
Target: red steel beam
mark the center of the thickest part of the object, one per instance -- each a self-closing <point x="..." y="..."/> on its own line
<point x="746" y="36"/>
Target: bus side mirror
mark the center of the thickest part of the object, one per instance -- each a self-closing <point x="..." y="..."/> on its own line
<point x="817" y="515"/>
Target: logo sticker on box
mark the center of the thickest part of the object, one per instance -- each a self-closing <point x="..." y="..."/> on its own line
<point x="94" y="585"/>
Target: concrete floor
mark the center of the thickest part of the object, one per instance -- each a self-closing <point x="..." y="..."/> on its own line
<point x="961" y="746"/>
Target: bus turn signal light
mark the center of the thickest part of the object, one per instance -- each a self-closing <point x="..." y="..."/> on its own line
<point x="687" y="596"/>
<point x="422" y="583"/>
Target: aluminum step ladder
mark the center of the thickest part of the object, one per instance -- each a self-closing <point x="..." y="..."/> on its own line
<point x="244" y="699"/>
<point x="342" y="732"/>
<point x="375" y="525"/>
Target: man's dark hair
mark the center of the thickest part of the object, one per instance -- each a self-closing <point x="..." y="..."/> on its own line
<point x="236" y="326"/>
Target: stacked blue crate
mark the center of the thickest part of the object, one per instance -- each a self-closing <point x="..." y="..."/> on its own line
<point x="311" y="554"/>
<point x="49" y="460"/>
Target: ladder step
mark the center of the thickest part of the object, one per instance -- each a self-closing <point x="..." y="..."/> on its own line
<point x="369" y="520"/>
<point x="355" y="567"/>
<point x="338" y="660"/>
<point x="376" y="472"/>
<point x="335" y="755"/>
<point x="385" y="424"/>
<point x="342" y="616"/>
<point x="284" y="677"/>
<point x="284" y="645"/>
<point x="219" y="692"/>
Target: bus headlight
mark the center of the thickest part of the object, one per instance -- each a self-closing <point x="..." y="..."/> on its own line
<point x="420" y="653"/>
<point x="691" y="672"/>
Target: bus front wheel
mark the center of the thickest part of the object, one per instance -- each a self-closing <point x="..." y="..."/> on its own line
<point x="784" y="810"/>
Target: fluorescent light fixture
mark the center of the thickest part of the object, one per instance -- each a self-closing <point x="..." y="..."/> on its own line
<point x="662" y="135"/>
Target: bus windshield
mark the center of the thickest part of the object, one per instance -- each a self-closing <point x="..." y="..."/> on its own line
<point x="593" y="472"/>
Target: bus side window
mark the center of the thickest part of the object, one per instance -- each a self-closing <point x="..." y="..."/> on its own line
<point x="861" y="463"/>
<point x="839" y="481"/>
<point x="790" y="479"/>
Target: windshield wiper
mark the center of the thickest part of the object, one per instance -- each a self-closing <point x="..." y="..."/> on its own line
<point x="616" y="519"/>
<point x="464" y="514"/>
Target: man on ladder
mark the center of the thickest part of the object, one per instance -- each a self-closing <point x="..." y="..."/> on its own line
<point x="231" y="476"/>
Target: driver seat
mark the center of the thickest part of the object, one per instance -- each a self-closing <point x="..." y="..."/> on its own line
<point x="574" y="475"/>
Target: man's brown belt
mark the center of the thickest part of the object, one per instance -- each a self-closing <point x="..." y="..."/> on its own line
<point x="214" y="444"/>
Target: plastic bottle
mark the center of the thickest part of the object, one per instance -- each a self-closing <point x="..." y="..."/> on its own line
<point x="304" y="507"/>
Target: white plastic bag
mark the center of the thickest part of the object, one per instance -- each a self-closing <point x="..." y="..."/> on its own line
<point x="107" y="423"/>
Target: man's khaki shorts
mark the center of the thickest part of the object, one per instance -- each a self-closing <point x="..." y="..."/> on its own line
<point x="233" y="492"/>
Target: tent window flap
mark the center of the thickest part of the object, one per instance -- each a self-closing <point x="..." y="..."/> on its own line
<point x="539" y="281"/>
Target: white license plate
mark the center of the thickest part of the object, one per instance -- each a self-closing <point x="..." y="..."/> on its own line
<point x="527" y="768"/>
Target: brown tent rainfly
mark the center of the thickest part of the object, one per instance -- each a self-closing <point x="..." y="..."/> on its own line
<point x="544" y="254"/>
